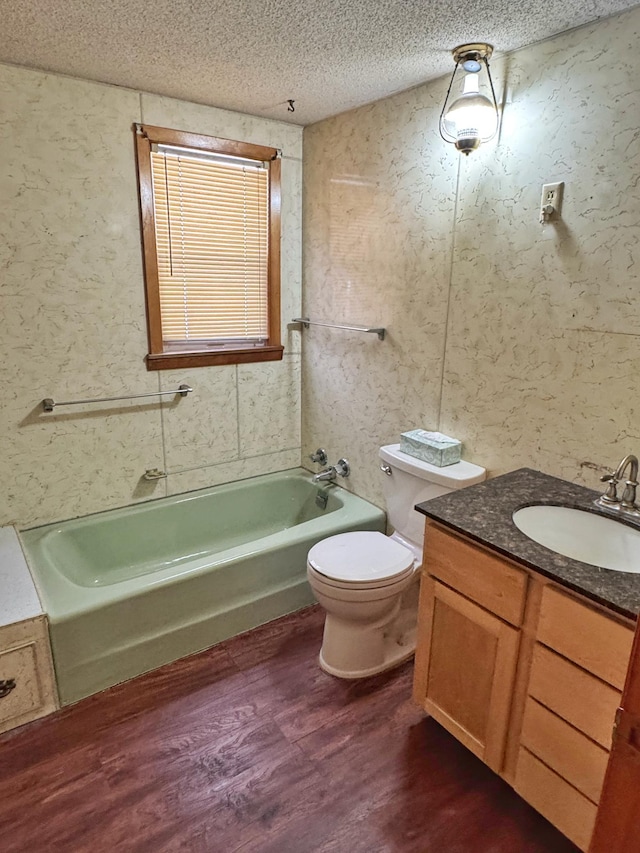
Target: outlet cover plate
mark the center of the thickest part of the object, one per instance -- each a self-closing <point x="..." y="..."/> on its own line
<point x="551" y="197"/>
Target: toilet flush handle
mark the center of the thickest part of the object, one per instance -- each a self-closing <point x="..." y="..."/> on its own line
<point x="386" y="469"/>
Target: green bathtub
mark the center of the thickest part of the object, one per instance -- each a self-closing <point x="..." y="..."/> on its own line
<point x="131" y="589"/>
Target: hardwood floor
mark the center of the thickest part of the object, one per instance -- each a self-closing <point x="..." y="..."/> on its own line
<point x="251" y="747"/>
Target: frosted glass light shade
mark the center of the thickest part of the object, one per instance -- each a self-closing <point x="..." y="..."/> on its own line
<point x="472" y="117"/>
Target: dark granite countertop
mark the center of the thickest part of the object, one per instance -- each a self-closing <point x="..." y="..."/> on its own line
<point x="483" y="513"/>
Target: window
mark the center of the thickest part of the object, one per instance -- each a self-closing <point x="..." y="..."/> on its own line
<point x="210" y="213"/>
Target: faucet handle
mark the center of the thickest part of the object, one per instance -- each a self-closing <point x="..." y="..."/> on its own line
<point x="320" y="456"/>
<point x="343" y="469"/>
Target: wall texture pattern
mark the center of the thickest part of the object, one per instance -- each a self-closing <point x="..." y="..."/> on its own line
<point x="521" y="340"/>
<point x="72" y="319"/>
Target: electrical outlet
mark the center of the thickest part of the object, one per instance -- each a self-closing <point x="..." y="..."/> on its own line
<point x="551" y="201"/>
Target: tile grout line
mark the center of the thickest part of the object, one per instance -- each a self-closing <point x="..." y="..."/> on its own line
<point x="231" y="461"/>
<point x="238" y="412"/>
<point x="163" y="435"/>
<point x="450" y="284"/>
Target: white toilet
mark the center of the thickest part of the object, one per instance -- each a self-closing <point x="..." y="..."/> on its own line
<point x="368" y="582"/>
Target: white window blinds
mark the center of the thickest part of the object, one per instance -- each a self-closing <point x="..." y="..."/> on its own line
<point x="212" y="224"/>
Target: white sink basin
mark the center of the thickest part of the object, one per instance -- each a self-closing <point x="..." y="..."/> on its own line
<point x="581" y="535"/>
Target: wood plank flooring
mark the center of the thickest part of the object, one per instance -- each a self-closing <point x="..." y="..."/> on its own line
<point x="251" y="747"/>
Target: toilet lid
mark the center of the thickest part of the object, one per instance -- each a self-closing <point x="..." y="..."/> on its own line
<point x="360" y="557"/>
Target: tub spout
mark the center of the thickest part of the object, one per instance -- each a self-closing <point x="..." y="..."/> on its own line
<point x="325" y="476"/>
<point x="340" y="469"/>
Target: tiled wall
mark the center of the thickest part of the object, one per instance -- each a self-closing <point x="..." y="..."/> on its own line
<point x="520" y="339"/>
<point x="72" y="321"/>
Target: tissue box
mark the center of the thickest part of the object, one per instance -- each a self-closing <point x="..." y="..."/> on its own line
<point x="432" y="447"/>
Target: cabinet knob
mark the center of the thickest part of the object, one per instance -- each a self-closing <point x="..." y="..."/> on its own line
<point x="6" y="687"/>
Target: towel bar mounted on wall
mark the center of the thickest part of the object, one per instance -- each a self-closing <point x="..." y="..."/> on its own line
<point x="307" y="322"/>
<point x="49" y="405"/>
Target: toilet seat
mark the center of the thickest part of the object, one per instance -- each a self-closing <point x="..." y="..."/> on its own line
<point x="360" y="560"/>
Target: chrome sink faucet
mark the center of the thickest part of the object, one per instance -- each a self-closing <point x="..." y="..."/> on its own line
<point x="627" y="503"/>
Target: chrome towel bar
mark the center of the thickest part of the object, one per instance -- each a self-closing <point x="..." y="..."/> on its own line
<point x="49" y="405"/>
<point x="307" y="322"/>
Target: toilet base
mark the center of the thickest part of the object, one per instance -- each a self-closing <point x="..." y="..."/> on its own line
<point x="394" y="652"/>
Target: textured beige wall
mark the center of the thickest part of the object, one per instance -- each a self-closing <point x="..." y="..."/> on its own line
<point x="521" y="340"/>
<point x="72" y="319"/>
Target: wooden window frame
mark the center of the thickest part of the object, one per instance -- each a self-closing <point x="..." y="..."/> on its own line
<point x="157" y="359"/>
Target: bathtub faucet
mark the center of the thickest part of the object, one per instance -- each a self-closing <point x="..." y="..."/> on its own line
<point x="340" y="469"/>
<point x="326" y="475"/>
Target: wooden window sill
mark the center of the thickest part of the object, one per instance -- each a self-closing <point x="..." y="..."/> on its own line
<point x="178" y="360"/>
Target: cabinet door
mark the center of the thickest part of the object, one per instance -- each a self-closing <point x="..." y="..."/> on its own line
<point x="465" y="667"/>
<point x="19" y="676"/>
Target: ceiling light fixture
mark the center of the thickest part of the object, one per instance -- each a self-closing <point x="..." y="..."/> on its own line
<point x="472" y="117"/>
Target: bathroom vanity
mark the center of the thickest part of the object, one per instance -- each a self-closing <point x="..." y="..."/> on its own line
<point x="522" y="653"/>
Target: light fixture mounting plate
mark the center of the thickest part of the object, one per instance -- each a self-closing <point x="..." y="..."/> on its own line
<point x="475" y="50"/>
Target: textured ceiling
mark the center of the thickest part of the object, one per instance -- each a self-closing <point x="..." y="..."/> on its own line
<point x="249" y="56"/>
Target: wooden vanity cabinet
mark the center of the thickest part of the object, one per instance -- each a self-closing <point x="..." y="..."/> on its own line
<point x="467" y="649"/>
<point x="526" y="674"/>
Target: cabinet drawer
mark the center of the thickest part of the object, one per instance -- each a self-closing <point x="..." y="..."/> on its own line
<point x="564" y="749"/>
<point x="489" y="581"/>
<point x="555" y="799"/>
<point x="19" y="665"/>
<point x="586" y="636"/>
<point x="579" y="698"/>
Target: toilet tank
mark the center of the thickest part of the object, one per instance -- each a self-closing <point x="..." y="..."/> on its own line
<point x="412" y="481"/>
